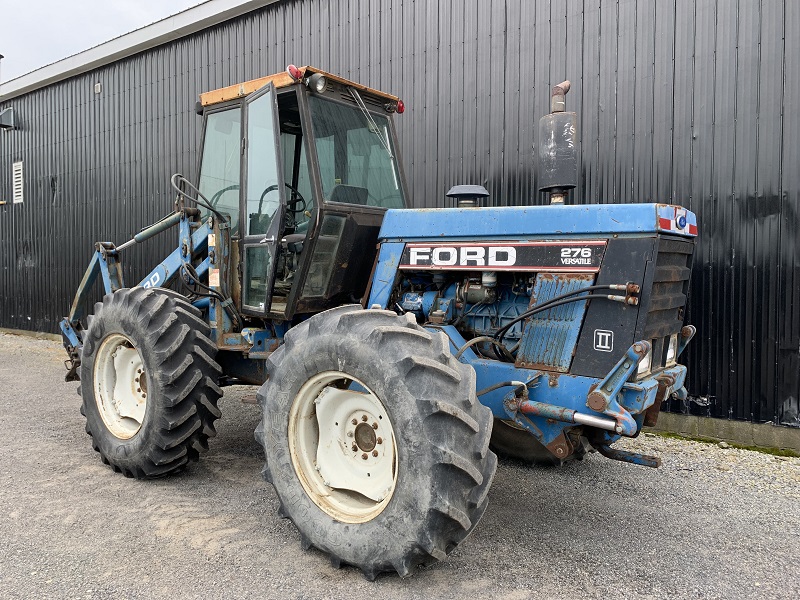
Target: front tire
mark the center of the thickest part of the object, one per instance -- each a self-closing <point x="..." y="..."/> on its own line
<point x="345" y="379"/>
<point x="148" y="382"/>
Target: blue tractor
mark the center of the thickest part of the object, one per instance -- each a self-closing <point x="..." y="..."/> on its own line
<point x="392" y="346"/>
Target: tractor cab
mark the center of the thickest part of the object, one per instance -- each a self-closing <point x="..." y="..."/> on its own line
<point x="303" y="165"/>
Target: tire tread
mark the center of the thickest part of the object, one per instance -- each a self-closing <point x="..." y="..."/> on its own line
<point x="458" y="435"/>
<point x="185" y="378"/>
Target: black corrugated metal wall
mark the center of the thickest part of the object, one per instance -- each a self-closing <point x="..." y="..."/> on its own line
<point x="684" y="101"/>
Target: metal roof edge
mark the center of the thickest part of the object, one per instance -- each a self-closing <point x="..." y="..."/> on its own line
<point x="175" y="26"/>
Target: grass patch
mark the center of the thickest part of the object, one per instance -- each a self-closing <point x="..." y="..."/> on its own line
<point x="705" y="440"/>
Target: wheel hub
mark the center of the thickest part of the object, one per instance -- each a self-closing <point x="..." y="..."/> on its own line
<point x="342" y="447"/>
<point x="120" y="386"/>
<point x="365" y="437"/>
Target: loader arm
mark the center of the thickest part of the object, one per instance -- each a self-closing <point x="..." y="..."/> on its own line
<point x="106" y="264"/>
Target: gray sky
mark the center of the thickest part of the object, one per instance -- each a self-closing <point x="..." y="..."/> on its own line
<point x="34" y="33"/>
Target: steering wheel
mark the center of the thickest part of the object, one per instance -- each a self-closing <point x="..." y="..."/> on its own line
<point x="297" y="198"/>
<point x="215" y="198"/>
<point x="291" y="206"/>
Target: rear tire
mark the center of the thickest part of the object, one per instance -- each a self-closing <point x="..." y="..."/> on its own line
<point x="422" y="488"/>
<point x="148" y="382"/>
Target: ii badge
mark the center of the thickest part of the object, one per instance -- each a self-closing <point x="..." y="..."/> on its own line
<point x="603" y="340"/>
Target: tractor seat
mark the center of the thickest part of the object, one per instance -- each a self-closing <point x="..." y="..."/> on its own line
<point x="349" y="194"/>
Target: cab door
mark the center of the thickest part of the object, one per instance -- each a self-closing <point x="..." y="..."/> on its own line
<point x="263" y="202"/>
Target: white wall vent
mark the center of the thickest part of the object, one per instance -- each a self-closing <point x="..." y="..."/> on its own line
<point x="17" y="180"/>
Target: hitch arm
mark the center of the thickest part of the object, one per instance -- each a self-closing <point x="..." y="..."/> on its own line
<point x="635" y="458"/>
<point x="603" y="398"/>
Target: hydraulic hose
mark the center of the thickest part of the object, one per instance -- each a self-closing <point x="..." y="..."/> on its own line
<point x="477" y="340"/>
<point x="565" y="298"/>
<point x="497" y="386"/>
<point x="227" y="303"/>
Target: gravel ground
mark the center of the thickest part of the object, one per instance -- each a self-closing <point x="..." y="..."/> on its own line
<point x="711" y="523"/>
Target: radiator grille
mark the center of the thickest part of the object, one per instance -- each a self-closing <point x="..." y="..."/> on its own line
<point x="667" y="297"/>
<point x="549" y="339"/>
<point x="670" y="286"/>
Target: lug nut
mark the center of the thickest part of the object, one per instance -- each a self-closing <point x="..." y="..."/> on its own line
<point x="364" y="418"/>
<point x="354" y="422"/>
<point x="374" y="425"/>
<point x="374" y="453"/>
<point x="365" y="456"/>
<point x="379" y="440"/>
<point x="355" y="448"/>
<point x="349" y="434"/>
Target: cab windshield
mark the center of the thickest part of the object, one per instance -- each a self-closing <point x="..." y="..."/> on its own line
<point x="356" y="155"/>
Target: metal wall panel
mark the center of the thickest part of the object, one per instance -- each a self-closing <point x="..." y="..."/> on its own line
<point x="788" y="244"/>
<point x="684" y="101"/>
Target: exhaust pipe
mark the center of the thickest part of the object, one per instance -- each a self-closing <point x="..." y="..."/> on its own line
<point x="558" y="149"/>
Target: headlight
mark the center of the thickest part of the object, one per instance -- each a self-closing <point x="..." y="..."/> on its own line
<point x="644" y="364"/>
<point x="317" y="83"/>
<point x="672" y="351"/>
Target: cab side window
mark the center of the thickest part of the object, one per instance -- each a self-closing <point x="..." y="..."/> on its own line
<point x="220" y="169"/>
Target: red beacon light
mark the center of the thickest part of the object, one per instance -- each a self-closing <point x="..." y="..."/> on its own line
<point x="294" y="72"/>
<point x="397" y="107"/>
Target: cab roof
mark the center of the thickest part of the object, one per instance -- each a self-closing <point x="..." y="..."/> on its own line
<point x="282" y="80"/>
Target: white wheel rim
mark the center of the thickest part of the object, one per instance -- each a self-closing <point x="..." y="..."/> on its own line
<point x="349" y="470"/>
<point x="120" y="386"/>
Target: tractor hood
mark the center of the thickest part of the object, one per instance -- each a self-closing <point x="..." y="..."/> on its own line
<point x="525" y="221"/>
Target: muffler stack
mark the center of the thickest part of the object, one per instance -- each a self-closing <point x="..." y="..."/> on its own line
<point x="558" y="148"/>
